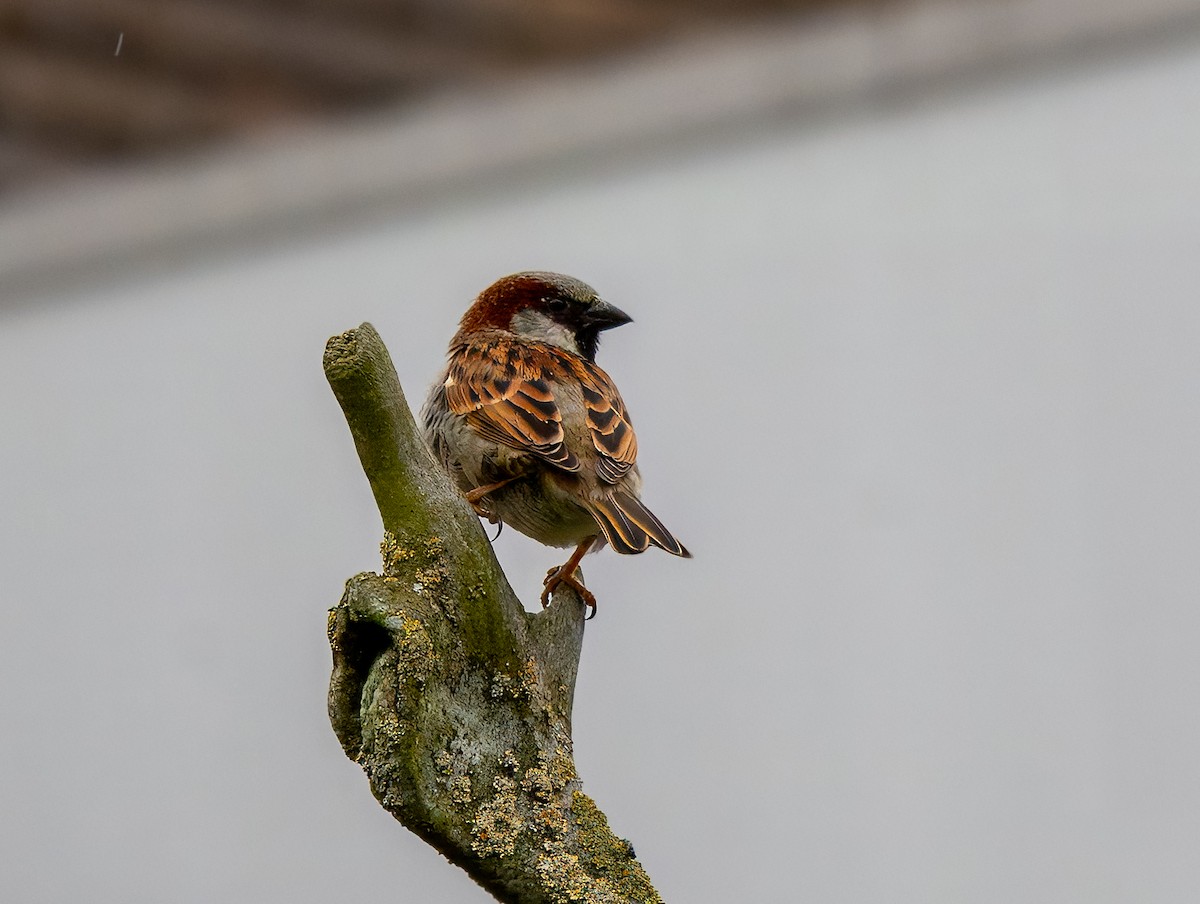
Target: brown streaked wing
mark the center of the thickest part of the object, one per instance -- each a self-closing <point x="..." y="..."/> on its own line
<point x="608" y="421"/>
<point x="512" y="405"/>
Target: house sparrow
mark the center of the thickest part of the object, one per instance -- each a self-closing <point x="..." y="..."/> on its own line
<point x="533" y="432"/>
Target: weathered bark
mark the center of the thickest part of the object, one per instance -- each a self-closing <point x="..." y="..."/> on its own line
<point x="455" y="700"/>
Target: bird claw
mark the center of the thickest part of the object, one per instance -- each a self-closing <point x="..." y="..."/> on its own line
<point x="555" y="577"/>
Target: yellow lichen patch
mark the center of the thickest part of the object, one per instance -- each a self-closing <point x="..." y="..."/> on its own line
<point x="433" y="576"/>
<point x="460" y="789"/>
<point x="562" y="768"/>
<point x="502" y="686"/>
<point x="498" y="822"/>
<point x="416" y="650"/>
<point x="553" y="823"/>
<point x="538" y="783"/>
<point x="457" y="784"/>
<point x="607" y="856"/>
<point x="424" y="563"/>
<point x="549" y="778"/>
<point x="566" y="880"/>
<point x="531" y="685"/>
<point x="509" y="761"/>
<point x="545" y="783"/>
<point x="444" y="761"/>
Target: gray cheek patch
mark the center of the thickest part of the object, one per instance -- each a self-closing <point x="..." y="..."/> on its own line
<point x="535" y="325"/>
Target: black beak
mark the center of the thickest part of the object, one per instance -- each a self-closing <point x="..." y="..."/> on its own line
<point x="601" y="315"/>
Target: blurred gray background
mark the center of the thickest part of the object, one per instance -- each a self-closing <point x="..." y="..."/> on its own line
<point x="914" y="370"/>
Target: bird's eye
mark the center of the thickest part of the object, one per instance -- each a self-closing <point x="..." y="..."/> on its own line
<point x="555" y="305"/>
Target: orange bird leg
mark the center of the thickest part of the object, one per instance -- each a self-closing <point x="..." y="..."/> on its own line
<point x="476" y="495"/>
<point x="565" y="574"/>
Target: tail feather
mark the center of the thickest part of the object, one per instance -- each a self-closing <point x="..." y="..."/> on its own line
<point x="630" y="527"/>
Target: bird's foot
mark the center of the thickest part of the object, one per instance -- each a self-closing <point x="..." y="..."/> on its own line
<point x="560" y="575"/>
<point x="484" y="512"/>
<point x="477" y="495"/>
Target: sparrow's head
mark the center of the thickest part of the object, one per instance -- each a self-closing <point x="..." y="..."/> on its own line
<point x="545" y="307"/>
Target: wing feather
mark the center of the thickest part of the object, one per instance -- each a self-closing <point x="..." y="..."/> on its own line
<point x="608" y="421"/>
<point x="507" y="399"/>
<point x="506" y="392"/>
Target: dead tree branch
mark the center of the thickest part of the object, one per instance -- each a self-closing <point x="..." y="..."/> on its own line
<point x="455" y="700"/>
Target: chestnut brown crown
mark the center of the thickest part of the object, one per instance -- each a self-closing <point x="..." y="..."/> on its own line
<point x="561" y="299"/>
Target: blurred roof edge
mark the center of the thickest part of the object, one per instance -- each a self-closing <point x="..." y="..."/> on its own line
<point x="306" y="179"/>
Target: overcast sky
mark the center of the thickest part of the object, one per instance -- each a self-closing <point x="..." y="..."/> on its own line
<point x="918" y="386"/>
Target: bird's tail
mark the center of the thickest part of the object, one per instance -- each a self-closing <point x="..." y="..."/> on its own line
<point x="630" y="527"/>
